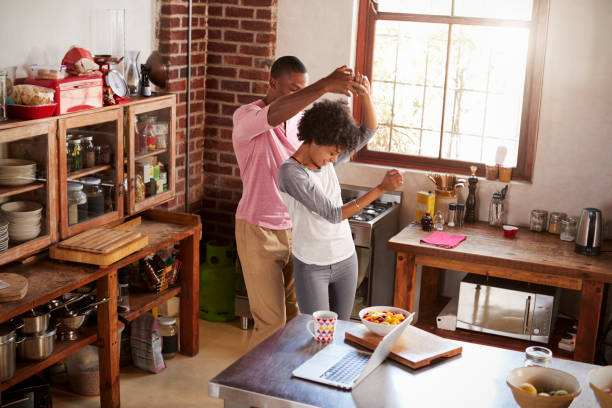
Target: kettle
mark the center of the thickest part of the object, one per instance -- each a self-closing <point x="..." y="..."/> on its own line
<point x="589" y="233"/>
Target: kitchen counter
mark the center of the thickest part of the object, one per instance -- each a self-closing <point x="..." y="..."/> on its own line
<point x="536" y="257"/>
<point x="476" y="378"/>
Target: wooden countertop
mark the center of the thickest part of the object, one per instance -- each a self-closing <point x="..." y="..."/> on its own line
<point x="529" y="251"/>
<point x="475" y="378"/>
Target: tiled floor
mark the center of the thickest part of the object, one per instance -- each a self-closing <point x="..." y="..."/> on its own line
<point x="184" y="382"/>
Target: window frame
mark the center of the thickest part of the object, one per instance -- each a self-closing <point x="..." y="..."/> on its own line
<point x="532" y="96"/>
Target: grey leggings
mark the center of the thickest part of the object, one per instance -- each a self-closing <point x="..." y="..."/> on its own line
<point x="327" y="287"/>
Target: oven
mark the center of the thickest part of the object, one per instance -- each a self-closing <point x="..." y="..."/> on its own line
<point x="371" y="230"/>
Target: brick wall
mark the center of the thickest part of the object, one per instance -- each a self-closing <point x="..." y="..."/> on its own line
<point x="172" y="37"/>
<point x="241" y="48"/>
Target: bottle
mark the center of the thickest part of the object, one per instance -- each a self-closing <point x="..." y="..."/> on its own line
<point x="3" y="95"/>
<point x="426" y="222"/>
<point x="452" y="210"/>
<point x="470" y="202"/>
<point x="123" y="295"/>
<point x="145" y="85"/>
<point x="439" y="221"/>
<point x="169" y="333"/>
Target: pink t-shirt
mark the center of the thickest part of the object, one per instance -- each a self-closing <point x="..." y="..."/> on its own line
<point x="260" y="150"/>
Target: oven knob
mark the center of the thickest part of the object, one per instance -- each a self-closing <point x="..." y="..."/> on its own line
<point x="536" y="331"/>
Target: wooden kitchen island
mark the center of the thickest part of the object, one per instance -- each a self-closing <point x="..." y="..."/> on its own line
<point x="536" y="257"/>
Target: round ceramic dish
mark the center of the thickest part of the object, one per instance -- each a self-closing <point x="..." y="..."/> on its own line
<point x="382" y="329"/>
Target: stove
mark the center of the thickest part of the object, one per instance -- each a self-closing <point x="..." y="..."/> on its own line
<point x="371" y="229"/>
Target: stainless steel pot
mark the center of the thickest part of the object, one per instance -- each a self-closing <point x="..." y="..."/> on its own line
<point x="7" y="351"/>
<point x="36" y="320"/>
<point x="38" y="346"/>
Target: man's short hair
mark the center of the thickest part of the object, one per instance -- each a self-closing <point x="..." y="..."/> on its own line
<point x="287" y="65"/>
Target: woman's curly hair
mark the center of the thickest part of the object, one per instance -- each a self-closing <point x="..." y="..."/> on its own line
<point x="329" y="123"/>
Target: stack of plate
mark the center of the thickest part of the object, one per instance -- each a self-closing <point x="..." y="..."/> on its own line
<point x="17" y="172"/>
<point x="24" y="219"/>
<point x="4" y="234"/>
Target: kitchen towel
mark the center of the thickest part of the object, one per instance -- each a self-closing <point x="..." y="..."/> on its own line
<point x="443" y="240"/>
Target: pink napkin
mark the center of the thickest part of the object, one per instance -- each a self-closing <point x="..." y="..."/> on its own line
<point x="443" y="240"/>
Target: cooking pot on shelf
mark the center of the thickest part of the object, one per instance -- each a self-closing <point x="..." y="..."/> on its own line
<point x="38" y="346"/>
<point x="8" y="343"/>
<point x="36" y="320"/>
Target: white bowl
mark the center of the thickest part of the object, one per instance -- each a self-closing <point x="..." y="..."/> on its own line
<point x="16" y="164"/>
<point x="378" y="328"/>
<point x="24" y="236"/>
<point x="544" y="379"/>
<point x="16" y="209"/>
<point x="600" y="379"/>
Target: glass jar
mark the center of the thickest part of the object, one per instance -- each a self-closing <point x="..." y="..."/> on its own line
<point x="68" y="154"/>
<point x="77" y="204"/>
<point x="554" y="222"/>
<point x="3" y="96"/>
<point x="161" y="132"/>
<point x="169" y="332"/>
<point x="95" y="196"/>
<point x="568" y="229"/>
<point x="459" y="215"/>
<point x="89" y="154"/>
<point x="496" y="210"/>
<point x="452" y="210"/>
<point x="538" y="356"/>
<point x="75" y="153"/>
<point x="106" y="154"/>
<point x="140" y="189"/>
<point x="123" y="295"/>
<point x="439" y="221"/>
<point x="537" y="222"/>
<point x="151" y="138"/>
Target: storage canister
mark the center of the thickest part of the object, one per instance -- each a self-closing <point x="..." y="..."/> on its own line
<point x="7" y="351"/>
<point x="568" y="229"/>
<point x="95" y="196"/>
<point x="75" y="154"/>
<point x="77" y="204"/>
<point x="537" y="222"/>
<point x="89" y="153"/>
<point x="554" y="222"/>
<point x="169" y="333"/>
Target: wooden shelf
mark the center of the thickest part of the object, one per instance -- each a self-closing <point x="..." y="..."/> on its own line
<point x="7" y="191"/>
<point x="427" y="321"/>
<point x="87" y="335"/>
<point x="86" y="172"/>
<point x="155" y="152"/>
<point x="142" y="302"/>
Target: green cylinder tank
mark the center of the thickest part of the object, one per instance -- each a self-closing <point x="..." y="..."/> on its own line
<point x="218" y="283"/>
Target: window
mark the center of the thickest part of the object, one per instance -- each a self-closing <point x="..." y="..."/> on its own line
<point x="454" y="82"/>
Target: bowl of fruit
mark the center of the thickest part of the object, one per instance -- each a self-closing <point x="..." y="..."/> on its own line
<point x="382" y="319"/>
<point x="600" y="381"/>
<point x="542" y="387"/>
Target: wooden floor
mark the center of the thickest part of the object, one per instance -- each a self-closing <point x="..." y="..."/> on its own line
<point x="184" y="382"/>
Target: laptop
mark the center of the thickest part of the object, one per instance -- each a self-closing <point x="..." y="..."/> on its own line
<point x="345" y="368"/>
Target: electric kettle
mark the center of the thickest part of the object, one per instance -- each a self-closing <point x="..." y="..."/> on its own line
<point x="589" y="233"/>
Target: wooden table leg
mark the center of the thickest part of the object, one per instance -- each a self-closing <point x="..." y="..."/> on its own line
<point x="405" y="281"/>
<point x="108" y="342"/>
<point x="190" y="294"/>
<point x="588" y="322"/>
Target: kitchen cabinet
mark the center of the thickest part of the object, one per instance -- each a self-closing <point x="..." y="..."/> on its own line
<point x="534" y="257"/>
<point x="150" y="153"/>
<point x="101" y="181"/>
<point x="35" y="142"/>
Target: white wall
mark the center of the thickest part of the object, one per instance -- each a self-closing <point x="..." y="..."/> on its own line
<point x="41" y="31"/>
<point x="573" y="167"/>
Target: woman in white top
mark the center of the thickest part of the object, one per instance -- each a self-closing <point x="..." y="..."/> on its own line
<point x="324" y="258"/>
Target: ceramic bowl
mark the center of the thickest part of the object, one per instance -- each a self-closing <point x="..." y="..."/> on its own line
<point x="544" y="379"/>
<point x="21" y="209"/>
<point x="510" y="231"/>
<point x="378" y="328"/>
<point x="600" y="379"/>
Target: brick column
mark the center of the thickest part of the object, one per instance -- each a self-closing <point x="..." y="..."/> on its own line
<point x="241" y="48"/>
<point x="172" y="36"/>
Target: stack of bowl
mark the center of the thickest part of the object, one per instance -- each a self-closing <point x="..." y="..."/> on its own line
<point x="4" y="234"/>
<point x="24" y="219"/>
<point x="17" y="172"/>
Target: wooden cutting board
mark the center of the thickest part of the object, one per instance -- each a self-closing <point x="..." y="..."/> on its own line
<point x="17" y="289"/>
<point x="416" y="348"/>
<point x="100" y="240"/>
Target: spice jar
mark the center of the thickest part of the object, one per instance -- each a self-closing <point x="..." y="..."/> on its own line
<point x="89" y="154"/>
<point x="105" y="154"/>
<point x="75" y="154"/>
<point x="95" y="196"/>
<point x="554" y="222"/>
<point x="568" y="229"/>
<point x="169" y="332"/>
<point x="538" y="356"/>
<point x="452" y="210"/>
<point x="439" y="221"/>
<point x="77" y="204"/>
<point x="537" y="222"/>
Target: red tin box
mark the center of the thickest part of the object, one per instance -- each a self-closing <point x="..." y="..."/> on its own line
<point x="73" y="93"/>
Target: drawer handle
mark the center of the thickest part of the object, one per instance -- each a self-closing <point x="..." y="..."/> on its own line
<point x="526" y="316"/>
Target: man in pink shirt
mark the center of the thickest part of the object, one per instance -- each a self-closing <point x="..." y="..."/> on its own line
<point x="265" y="135"/>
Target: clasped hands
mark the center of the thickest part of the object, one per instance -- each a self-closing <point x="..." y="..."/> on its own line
<point x="344" y="81"/>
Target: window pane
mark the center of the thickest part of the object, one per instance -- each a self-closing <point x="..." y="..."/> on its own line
<point x="506" y="9"/>
<point x="442" y="7"/>
<point x="485" y="91"/>
<point x="380" y="141"/>
<point x="407" y="86"/>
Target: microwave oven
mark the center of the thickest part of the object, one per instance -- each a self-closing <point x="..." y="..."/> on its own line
<point x="507" y="308"/>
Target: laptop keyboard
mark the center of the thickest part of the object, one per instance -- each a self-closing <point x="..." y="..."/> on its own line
<point x="347" y="369"/>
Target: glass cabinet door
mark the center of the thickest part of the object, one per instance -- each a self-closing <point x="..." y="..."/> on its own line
<point x="150" y="156"/>
<point x="91" y="170"/>
<point x="28" y="181"/>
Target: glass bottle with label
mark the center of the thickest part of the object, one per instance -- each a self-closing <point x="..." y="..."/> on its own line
<point x="169" y="333"/>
